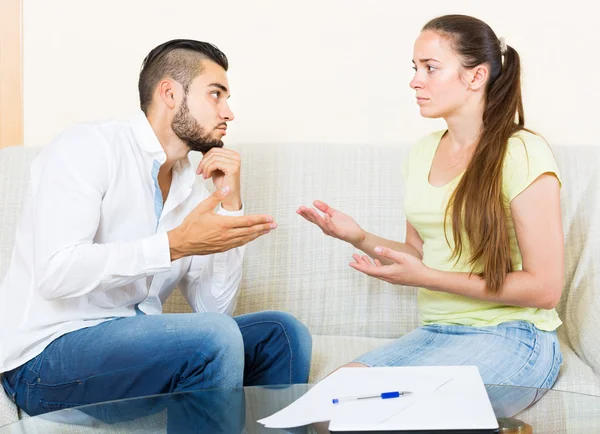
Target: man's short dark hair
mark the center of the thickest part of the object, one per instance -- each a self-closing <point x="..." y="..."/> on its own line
<point x="180" y="60"/>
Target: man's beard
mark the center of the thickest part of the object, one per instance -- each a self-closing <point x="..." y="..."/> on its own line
<point x="191" y="132"/>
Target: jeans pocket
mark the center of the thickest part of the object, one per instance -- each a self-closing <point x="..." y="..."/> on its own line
<point x="42" y="398"/>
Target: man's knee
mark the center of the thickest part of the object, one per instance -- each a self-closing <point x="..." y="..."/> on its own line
<point x="295" y="329"/>
<point x="219" y="335"/>
<point x="291" y="331"/>
<point x="300" y="340"/>
<point x="285" y="325"/>
<point x="286" y="346"/>
<point x="215" y="344"/>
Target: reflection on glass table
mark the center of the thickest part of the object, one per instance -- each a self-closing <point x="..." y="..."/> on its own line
<point x="237" y="411"/>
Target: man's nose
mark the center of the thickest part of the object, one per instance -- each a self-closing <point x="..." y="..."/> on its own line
<point x="227" y="114"/>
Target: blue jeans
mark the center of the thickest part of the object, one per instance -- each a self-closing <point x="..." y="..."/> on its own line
<point x="154" y="354"/>
<point x="514" y="353"/>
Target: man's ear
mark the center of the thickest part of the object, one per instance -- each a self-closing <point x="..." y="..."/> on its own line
<point x="168" y="92"/>
<point x="477" y="77"/>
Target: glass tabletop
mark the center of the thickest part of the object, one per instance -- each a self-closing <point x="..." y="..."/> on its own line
<point x="236" y="411"/>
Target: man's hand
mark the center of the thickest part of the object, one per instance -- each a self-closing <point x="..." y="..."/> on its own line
<point x="223" y="165"/>
<point x="204" y="232"/>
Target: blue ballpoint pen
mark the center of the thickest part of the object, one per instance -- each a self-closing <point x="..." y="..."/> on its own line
<point x="385" y="395"/>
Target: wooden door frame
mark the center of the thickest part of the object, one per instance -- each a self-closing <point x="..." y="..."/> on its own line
<point x="11" y="72"/>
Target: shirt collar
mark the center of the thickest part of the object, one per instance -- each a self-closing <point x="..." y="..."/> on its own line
<point x="145" y="137"/>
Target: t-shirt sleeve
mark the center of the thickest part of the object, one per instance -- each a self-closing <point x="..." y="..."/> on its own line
<point x="528" y="156"/>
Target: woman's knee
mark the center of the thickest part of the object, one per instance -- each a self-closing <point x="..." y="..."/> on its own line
<point x="349" y="365"/>
<point x="354" y="365"/>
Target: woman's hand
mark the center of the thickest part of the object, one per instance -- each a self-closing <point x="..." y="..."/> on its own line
<point x="405" y="269"/>
<point x="333" y="222"/>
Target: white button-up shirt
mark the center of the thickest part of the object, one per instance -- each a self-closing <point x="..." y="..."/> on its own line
<point x="92" y="240"/>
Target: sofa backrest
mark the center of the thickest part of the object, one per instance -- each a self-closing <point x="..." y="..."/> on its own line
<point x="298" y="269"/>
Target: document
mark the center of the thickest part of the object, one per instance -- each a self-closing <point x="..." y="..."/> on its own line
<point x="428" y="397"/>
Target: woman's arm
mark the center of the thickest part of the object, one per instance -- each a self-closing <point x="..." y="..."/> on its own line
<point x="537" y="219"/>
<point x="412" y="246"/>
<point x="343" y="227"/>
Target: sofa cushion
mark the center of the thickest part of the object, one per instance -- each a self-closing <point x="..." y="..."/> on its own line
<point x="8" y="410"/>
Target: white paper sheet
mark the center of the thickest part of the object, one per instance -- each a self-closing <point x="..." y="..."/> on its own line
<point x="317" y="406"/>
<point x="443" y="397"/>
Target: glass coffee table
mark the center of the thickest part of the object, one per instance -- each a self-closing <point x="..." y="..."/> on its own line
<point x="237" y="411"/>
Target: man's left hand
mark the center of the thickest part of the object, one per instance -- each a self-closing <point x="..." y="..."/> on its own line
<point x="223" y="166"/>
<point x="405" y="270"/>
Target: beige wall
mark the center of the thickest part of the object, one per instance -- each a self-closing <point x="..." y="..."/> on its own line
<point x="315" y="70"/>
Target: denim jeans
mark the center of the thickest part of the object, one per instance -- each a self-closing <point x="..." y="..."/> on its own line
<point x="154" y="354"/>
<point x="514" y="353"/>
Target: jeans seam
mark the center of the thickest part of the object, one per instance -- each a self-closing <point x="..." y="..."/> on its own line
<point x="36" y="366"/>
<point x="10" y="390"/>
<point x="552" y="367"/>
<point x="493" y="330"/>
<point x="286" y="337"/>
<point x="49" y="404"/>
<point x="80" y="380"/>
<point x="535" y="348"/>
<point x="430" y="339"/>
<point x="30" y="387"/>
<point x="190" y="352"/>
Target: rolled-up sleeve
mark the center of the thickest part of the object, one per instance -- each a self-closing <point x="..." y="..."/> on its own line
<point x="212" y="282"/>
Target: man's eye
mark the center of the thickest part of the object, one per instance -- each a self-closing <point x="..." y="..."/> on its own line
<point x="216" y="94"/>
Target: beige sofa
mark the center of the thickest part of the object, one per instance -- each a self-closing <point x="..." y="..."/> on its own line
<point x="299" y="270"/>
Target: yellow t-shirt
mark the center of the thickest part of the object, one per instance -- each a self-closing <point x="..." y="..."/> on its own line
<point x="528" y="156"/>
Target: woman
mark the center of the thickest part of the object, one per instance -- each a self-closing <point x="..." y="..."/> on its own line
<point x="484" y="240"/>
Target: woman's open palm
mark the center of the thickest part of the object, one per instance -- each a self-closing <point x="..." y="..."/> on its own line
<point x="333" y="222"/>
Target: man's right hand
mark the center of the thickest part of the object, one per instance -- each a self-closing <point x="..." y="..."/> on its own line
<point x="334" y="223"/>
<point x="204" y="231"/>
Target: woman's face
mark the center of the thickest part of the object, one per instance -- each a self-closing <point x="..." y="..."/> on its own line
<point x="439" y="81"/>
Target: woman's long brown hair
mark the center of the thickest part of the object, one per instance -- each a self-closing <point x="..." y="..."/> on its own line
<point x="477" y="204"/>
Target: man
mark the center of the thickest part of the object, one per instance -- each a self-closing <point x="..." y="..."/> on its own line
<point x="113" y="221"/>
